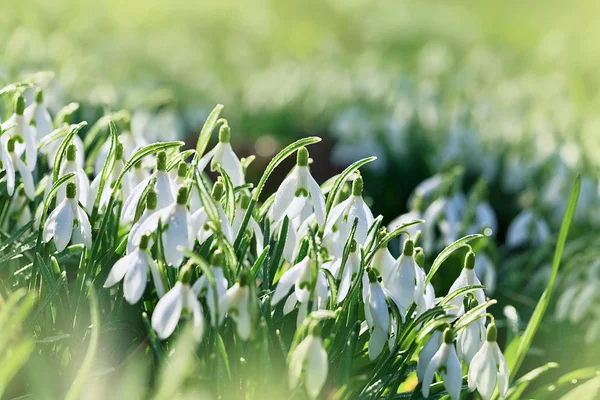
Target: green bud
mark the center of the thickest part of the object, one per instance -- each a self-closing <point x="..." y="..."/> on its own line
<point x="302" y="157"/>
<point x="492" y="333"/>
<point x="144" y="242"/>
<point x="71" y="152"/>
<point x="71" y="190"/>
<point x="353" y="246"/>
<point x="381" y="234"/>
<point x="224" y="133"/>
<point x="409" y="247"/>
<point x="182" y="169"/>
<point x="244" y="202"/>
<point x="10" y="146"/>
<point x="151" y="200"/>
<point x="185" y="274"/>
<point x="119" y="151"/>
<point x="357" y="186"/>
<point x="245" y="278"/>
<point x="182" y="195"/>
<point x="470" y="260"/>
<point x="218" y="190"/>
<point x="420" y="258"/>
<point x="372" y="276"/>
<point x="315" y="330"/>
<point x="448" y="336"/>
<point x="161" y="161"/>
<point x="20" y="105"/>
<point x="39" y="96"/>
<point x="218" y="259"/>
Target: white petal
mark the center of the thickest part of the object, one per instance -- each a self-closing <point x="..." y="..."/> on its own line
<point x="486" y="375"/>
<point x="242" y="319"/>
<point x="135" y="280"/>
<point x="84" y="227"/>
<point x="286" y="281"/>
<point x="427" y="353"/>
<point x="63" y="226"/>
<point x="318" y="200"/>
<point x="335" y="215"/>
<point x="378" y="306"/>
<point x="119" y="270"/>
<point x="376" y="342"/>
<point x="345" y="283"/>
<point x="225" y="226"/>
<point x="26" y="177"/>
<point x="205" y="160"/>
<point x="503" y="375"/>
<point x="198" y="317"/>
<point x="430" y="372"/>
<point x="165" y="190"/>
<point x="296" y="362"/>
<point x="316" y="367"/>
<point x="290" y="304"/>
<point x="9" y="168"/>
<point x="167" y="312"/>
<point x="131" y="203"/>
<point x="177" y="234"/>
<point x="156" y="277"/>
<point x="284" y="196"/>
<point x="453" y="376"/>
<point x="232" y="166"/>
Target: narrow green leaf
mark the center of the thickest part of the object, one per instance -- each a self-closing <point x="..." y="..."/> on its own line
<point x="439" y="260"/>
<point x="207" y="129"/>
<point x="339" y="182"/>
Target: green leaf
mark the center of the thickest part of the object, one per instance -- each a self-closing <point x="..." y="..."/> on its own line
<point x="459" y="291"/>
<point x="341" y="179"/>
<point x="207" y="130"/>
<point x="542" y="305"/>
<point x="259" y="261"/>
<point x="229" y="194"/>
<point x="588" y="391"/>
<point x="439" y="260"/>
<point x="60" y="153"/>
<point x="516" y="391"/>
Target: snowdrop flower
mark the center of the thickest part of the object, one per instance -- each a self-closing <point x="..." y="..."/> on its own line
<point x="205" y="289"/>
<point x="309" y="356"/>
<point x="133" y="268"/>
<point x="118" y="167"/>
<point x="177" y="229"/>
<point x="427" y="353"/>
<point x="470" y="339"/>
<point x="180" y="299"/>
<point x="182" y="170"/>
<point x="20" y="128"/>
<point x="527" y="228"/>
<point x="406" y="282"/>
<point x="376" y="314"/>
<point x="6" y="164"/>
<point x="68" y="217"/>
<point x="138" y="174"/>
<point x="384" y="262"/>
<point x="346" y="273"/>
<point x="223" y="154"/>
<point x="467" y="278"/>
<point x="81" y="180"/>
<point x="252" y="227"/>
<point x="298" y="188"/>
<point x="300" y="277"/>
<point x="342" y="216"/>
<point x="165" y="188"/>
<point x="446" y="363"/>
<point x="489" y="367"/>
<point x="132" y="138"/>
<point x="151" y="200"/>
<point x="199" y="219"/>
<point x="15" y="161"/>
<point x="38" y="117"/>
<point x="237" y="303"/>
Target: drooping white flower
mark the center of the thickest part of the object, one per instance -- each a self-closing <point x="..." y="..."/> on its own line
<point x="6" y="164"/>
<point x="108" y="187"/>
<point x="68" y="217"/>
<point x="404" y="218"/>
<point x="405" y="282"/>
<point x="164" y="186"/>
<point x="223" y="154"/>
<point x="170" y="307"/>
<point x="81" y="180"/>
<point x="151" y="199"/>
<point x="446" y="363"/>
<point x="200" y="222"/>
<point x="427" y="353"/>
<point x="133" y="138"/>
<point x="38" y="117"/>
<point x="317" y="298"/>
<point x="489" y="367"/>
<point x="341" y="217"/>
<point x="300" y="277"/>
<point x="345" y="273"/>
<point x="236" y="302"/>
<point x="52" y="146"/>
<point x="298" y="188"/>
<point x="252" y="227"/>
<point x="177" y="231"/>
<point x="527" y="228"/>
<point x="17" y="127"/>
<point x="470" y="340"/>
<point x="376" y="314"/>
<point x="204" y="288"/>
<point x="467" y="278"/>
<point x="133" y="270"/>
<point x="15" y="161"/>
<point x="309" y="356"/>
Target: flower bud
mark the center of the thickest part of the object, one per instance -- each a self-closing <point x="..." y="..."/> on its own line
<point x="182" y="169"/>
<point x="144" y="242"/>
<point x="420" y="258"/>
<point x="71" y="152"/>
<point x="218" y="189"/>
<point x="71" y="190"/>
<point x="119" y="151"/>
<point x="151" y="200"/>
<point x="39" y="96"/>
<point x="448" y="336"/>
<point x="224" y="133"/>
<point x="20" y="105"/>
<point x="409" y="248"/>
<point x="372" y="276"/>
<point x="244" y="202"/>
<point x="245" y="278"/>
<point x="218" y="259"/>
<point x="182" y="195"/>
<point x="302" y="157"/>
<point x="470" y="260"/>
<point x="492" y="333"/>
<point x="357" y="186"/>
<point x="161" y="161"/>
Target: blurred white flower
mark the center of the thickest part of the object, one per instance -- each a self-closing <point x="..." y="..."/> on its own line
<point x="236" y="302"/>
<point x="17" y="127"/>
<point x="488" y="367"/>
<point x="170" y="307"/>
<point x="446" y="363"/>
<point x="38" y="117"/>
<point x="309" y="356"/>
<point x="223" y="154"/>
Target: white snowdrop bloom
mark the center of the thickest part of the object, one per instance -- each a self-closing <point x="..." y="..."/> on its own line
<point x="433" y="216"/>
<point x="453" y="212"/>
<point x="164" y="186"/>
<point x="485" y="217"/>
<point x="200" y="222"/>
<point x="527" y="229"/>
<point x="300" y="277"/>
<point x="486" y="272"/>
<point x="446" y="363"/>
<point x="126" y="188"/>
<point x="138" y="174"/>
<point x="132" y="138"/>
<point x="489" y="367"/>
<point x="177" y="229"/>
<point x="309" y="357"/>
<point x="342" y="216"/>
<point x="169" y="309"/>
<point x="150" y="209"/>
<point x="180" y="173"/>
<point x="66" y="218"/>
<point x="583" y="301"/>
<point x="467" y="277"/>
<point x="51" y="149"/>
<point x="385" y="263"/>
<point x="427" y="188"/>
<point x="346" y="273"/>
<point x="17" y="127"/>
<point x="564" y="305"/>
<point x="427" y="353"/>
<point x="14" y="160"/>
<point x="81" y="180"/>
<point x="6" y="165"/>
<point x="223" y="154"/>
<point x="133" y="270"/>
<point x="470" y="340"/>
<point x="406" y="283"/>
<point x="38" y="117"/>
<point x="253" y="227"/>
<point x="296" y="189"/>
<point x="376" y="314"/>
<point x="236" y="302"/>
<point x="204" y="289"/>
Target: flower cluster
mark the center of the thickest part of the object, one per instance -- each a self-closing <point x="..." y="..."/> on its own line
<point x="191" y="224"/>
